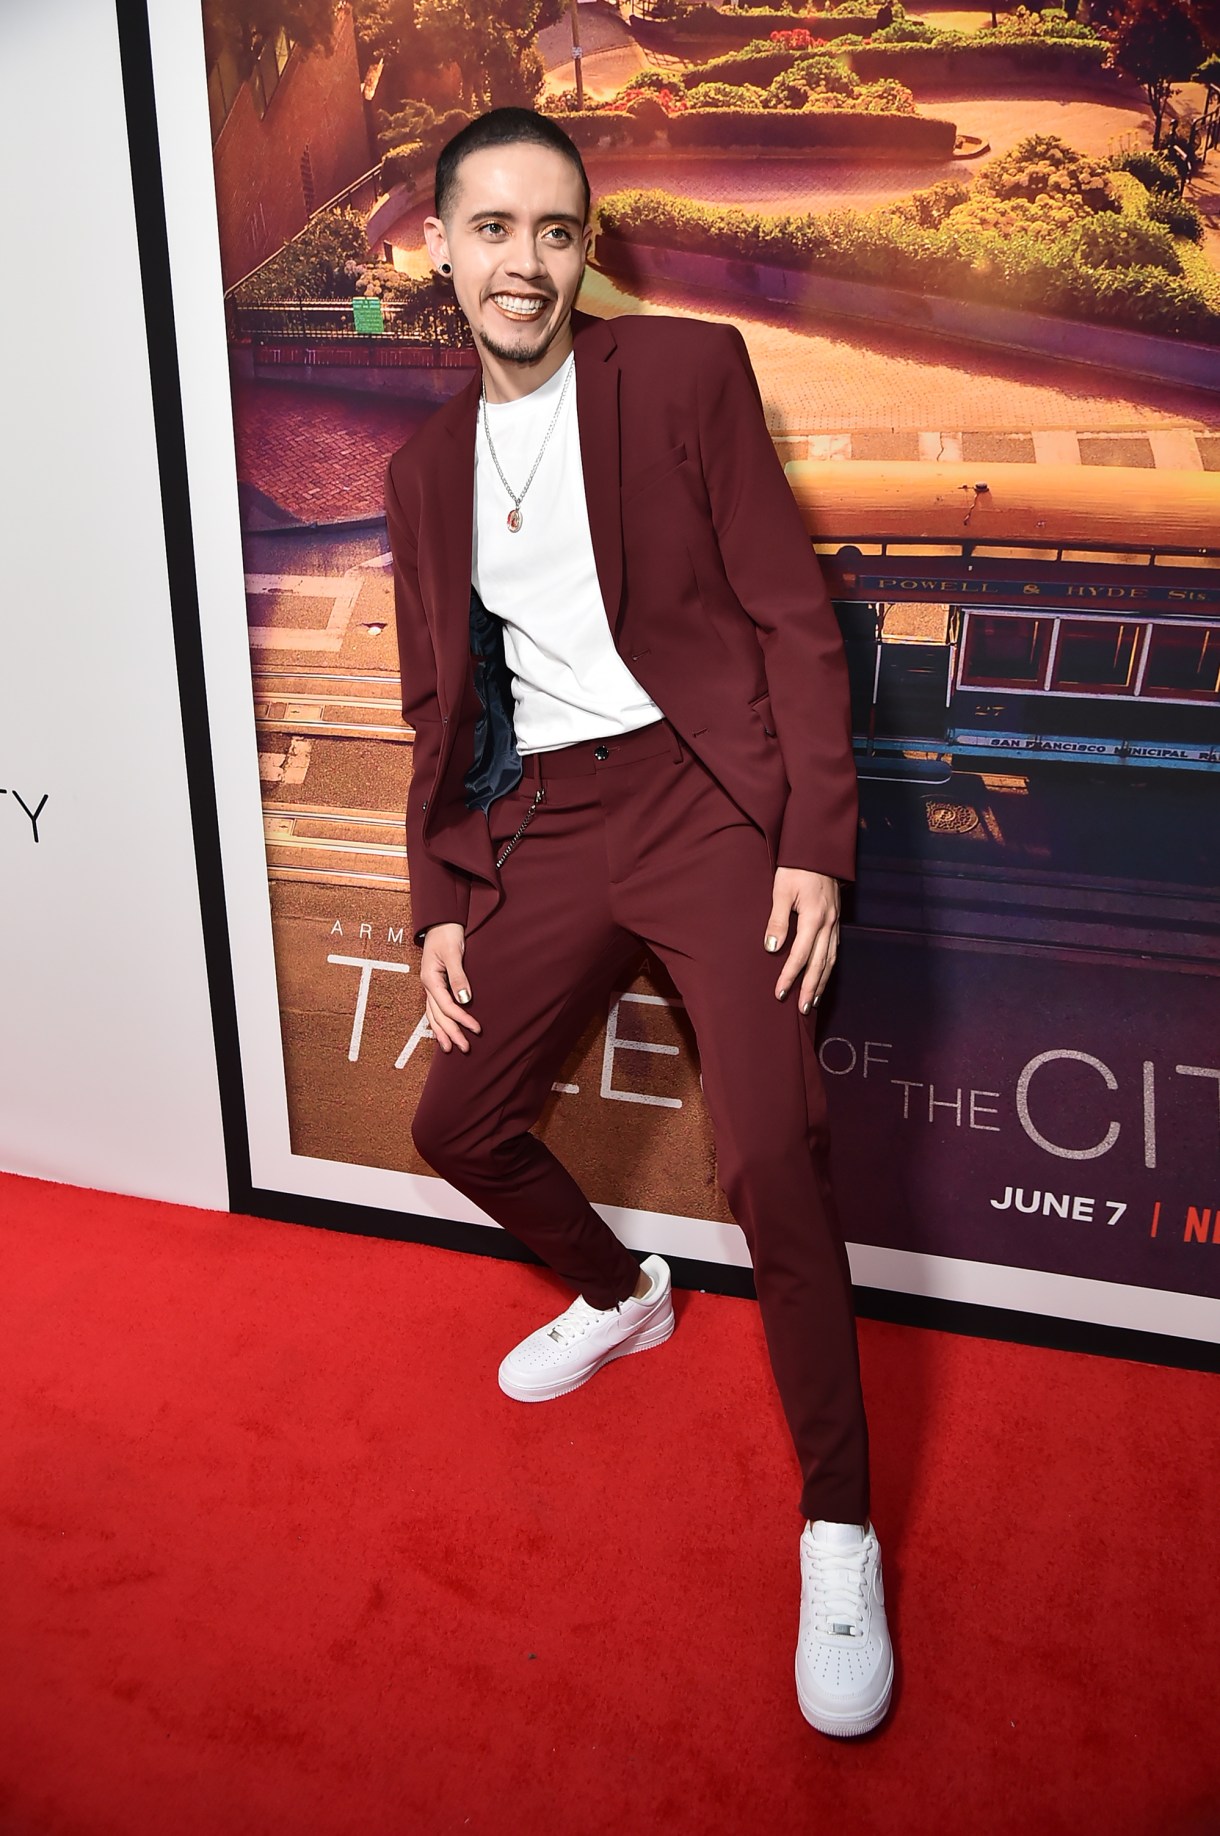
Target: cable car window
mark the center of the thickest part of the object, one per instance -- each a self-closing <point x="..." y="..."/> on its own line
<point x="1184" y="660"/>
<point x="1096" y="653"/>
<point x="1005" y="649"/>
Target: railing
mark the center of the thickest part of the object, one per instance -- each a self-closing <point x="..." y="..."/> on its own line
<point x="431" y="332"/>
<point x="361" y="194"/>
<point x="358" y="353"/>
<point x="430" y="322"/>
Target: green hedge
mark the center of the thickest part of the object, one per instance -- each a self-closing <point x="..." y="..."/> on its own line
<point x="758" y="62"/>
<point x="587" y="126"/>
<point x="1029" y="273"/>
<point x="1179" y="217"/>
<point x="707" y="22"/>
<point x="807" y="127"/>
<point x="809" y="16"/>
<point x="1152" y="170"/>
<point x="809" y="19"/>
<point x="950" y="54"/>
<point x="962" y="56"/>
<point x="916" y="135"/>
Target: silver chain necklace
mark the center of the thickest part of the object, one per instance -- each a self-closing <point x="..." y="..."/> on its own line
<point x="514" y="515"/>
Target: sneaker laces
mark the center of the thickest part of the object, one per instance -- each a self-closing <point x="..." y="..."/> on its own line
<point x="575" y="1322"/>
<point x="838" y="1589"/>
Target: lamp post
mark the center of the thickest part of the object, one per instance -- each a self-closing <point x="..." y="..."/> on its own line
<point x="576" y="56"/>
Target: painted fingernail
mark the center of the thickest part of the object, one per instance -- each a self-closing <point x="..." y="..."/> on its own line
<point x="773" y="943"/>
<point x="463" y="995"/>
<point x="805" y="1006"/>
<point x="783" y="994"/>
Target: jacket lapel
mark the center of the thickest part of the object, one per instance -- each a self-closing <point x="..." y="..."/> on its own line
<point x="449" y="530"/>
<point x="597" y="416"/>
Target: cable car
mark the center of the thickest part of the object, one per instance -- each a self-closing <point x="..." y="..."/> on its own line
<point x="1026" y="611"/>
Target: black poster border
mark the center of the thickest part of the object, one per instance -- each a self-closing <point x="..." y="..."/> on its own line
<point x="971" y="1319"/>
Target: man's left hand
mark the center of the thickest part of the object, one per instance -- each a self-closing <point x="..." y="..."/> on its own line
<point x="814" y="900"/>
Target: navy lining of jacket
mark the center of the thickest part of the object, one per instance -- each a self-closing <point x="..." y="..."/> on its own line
<point x="497" y="766"/>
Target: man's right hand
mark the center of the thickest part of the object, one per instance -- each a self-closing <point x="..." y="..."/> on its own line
<point x="444" y="980"/>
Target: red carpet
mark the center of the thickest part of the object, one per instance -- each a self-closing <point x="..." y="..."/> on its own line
<point x="279" y="1557"/>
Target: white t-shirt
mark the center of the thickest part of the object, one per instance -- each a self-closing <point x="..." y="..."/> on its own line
<point x="569" y="682"/>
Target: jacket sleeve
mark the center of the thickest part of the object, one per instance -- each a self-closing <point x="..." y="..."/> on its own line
<point x="439" y="894"/>
<point x="774" y="572"/>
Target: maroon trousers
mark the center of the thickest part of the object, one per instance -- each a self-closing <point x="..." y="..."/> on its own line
<point x="643" y="846"/>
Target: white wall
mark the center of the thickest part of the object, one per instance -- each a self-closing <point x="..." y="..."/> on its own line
<point x="107" y="1068"/>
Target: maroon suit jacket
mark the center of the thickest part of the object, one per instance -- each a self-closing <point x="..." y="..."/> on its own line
<point x="715" y="600"/>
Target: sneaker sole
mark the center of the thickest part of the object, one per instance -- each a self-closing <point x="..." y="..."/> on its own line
<point x="845" y="1725"/>
<point x="644" y="1341"/>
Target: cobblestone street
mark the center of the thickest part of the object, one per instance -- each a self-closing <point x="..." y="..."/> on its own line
<point x="318" y="454"/>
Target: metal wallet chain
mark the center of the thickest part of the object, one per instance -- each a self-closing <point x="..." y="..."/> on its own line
<point x="513" y="839"/>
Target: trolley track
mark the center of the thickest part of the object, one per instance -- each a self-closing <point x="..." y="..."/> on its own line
<point x="331" y="704"/>
<point x="335" y="846"/>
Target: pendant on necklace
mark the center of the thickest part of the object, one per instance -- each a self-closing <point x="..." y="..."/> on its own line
<point x="514" y="519"/>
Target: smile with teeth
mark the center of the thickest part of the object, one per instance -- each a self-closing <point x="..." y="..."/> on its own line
<point x="519" y="305"/>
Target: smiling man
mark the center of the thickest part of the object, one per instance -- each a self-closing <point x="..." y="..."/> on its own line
<point x="632" y="731"/>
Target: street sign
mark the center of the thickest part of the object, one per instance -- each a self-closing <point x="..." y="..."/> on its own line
<point x="367" y="315"/>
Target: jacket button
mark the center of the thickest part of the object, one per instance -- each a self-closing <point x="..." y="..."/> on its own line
<point x="601" y="752"/>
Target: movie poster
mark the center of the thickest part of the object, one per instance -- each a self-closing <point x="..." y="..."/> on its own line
<point x="975" y="256"/>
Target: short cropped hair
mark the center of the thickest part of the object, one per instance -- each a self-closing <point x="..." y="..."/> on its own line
<point x="501" y="127"/>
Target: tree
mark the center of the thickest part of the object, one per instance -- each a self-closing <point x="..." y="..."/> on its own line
<point x="384" y="29"/>
<point x="242" y="26"/>
<point x="1157" y="43"/>
<point x="1206" y="15"/>
<point x="411" y="138"/>
<point x="492" y="43"/>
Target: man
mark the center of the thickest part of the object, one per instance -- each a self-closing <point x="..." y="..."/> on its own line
<point x="632" y="729"/>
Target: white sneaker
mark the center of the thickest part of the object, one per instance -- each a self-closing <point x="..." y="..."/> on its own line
<point x="571" y="1349"/>
<point x="844" y="1659"/>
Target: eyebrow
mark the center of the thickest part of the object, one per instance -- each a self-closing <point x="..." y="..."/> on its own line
<point x="546" y="216"/>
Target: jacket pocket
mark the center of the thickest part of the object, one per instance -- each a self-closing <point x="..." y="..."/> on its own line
<point x="654" y="471"/>
<point x="761" y="705"/>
